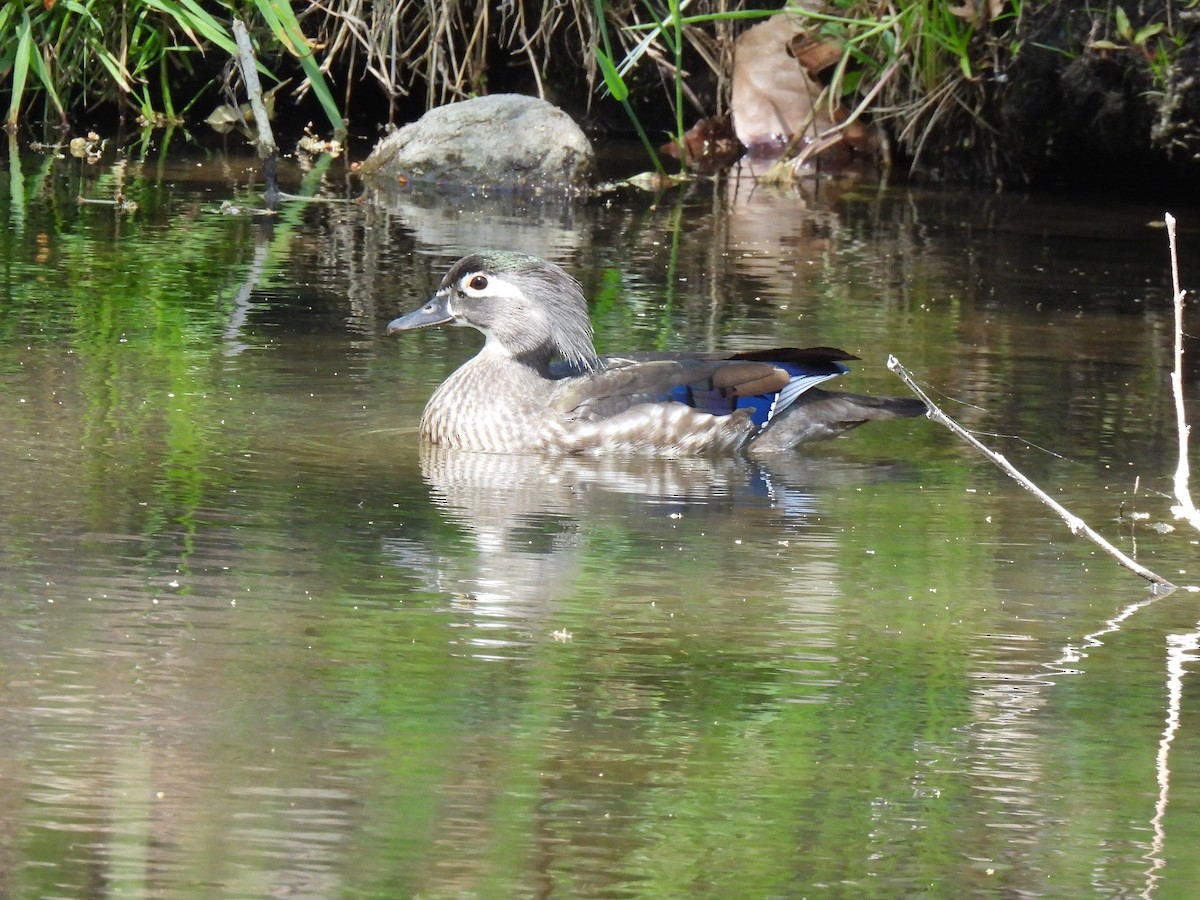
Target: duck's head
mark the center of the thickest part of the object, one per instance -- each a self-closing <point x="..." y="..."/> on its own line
<point x="525" y="306"/>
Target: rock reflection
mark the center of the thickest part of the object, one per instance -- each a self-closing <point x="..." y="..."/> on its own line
<point x="548" y="226"/>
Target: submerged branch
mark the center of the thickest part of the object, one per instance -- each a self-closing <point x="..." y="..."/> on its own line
<point x="1076" y="525"/>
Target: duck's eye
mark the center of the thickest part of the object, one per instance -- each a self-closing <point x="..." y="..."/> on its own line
<point x="478" y="283"/>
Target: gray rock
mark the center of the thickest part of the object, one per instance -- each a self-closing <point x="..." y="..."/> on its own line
<point x="502" y="142"/>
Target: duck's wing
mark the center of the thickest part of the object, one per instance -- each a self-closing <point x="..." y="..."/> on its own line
<point x="762" y="382"/>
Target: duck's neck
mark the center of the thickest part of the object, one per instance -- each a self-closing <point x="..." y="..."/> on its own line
<point x="536" y="360"/>
<point x="571" y="350"/>
<point x="551" y="363"/>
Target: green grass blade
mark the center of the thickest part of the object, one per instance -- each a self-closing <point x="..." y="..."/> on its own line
<point x="612" y="78"/>
<point x="661" y="28"/>
<point x="677" y="48"/>
<point x="37" y="62"/>
<point x="20" y="68"/>
<point x="165" y="90"/>
<point x="190" y="15"/>
<point x="283" y="22"/>
<point x="115" y="69"/>
<point x="80" y="10"/>
<point x="271" y="14"/>
<point x="35" y="57"/>
<point x="1144" y="34"/>
<point x="1123" y="27"/>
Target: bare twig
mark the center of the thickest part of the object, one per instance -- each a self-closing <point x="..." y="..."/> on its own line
<point x="1184" y="509"/>
<point x="266" y="138"/>
<point x="1076" y="525"/>
<point x="268" y="151"/>
<point x="833" y="135"/>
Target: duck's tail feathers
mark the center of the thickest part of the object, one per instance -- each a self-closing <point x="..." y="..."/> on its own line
<point x="818" y="415"/>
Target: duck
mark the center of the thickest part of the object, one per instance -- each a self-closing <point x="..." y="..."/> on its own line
<point x="538" y="384"/>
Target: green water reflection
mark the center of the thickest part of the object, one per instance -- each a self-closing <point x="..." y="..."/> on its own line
<point x="255" y="641"/>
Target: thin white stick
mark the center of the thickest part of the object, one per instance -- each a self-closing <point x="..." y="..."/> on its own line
<point x="1184" y="509"/>
<point x="1076" y="525"/>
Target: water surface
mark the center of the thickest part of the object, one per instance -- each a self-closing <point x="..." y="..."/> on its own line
<point x="256" y="641"/>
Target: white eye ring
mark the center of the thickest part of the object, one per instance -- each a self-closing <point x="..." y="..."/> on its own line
<point x="475" y="284"/>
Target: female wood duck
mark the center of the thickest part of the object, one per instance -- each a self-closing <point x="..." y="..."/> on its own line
<point x="538" y="384"/>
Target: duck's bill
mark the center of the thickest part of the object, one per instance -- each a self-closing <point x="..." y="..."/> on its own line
<point x="435" y="312"/>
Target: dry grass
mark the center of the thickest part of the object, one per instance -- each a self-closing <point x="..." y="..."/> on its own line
<point x="439" y="46"/>
<point x="446" y="48"/>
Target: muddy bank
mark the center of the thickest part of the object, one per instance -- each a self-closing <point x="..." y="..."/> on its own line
<point x="1083" y="100"/>
<point x="1064" y="95"/>
<point x="997" y="93"/>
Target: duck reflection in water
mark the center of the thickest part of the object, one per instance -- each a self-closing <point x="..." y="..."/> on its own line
<point x="532" y="520"/>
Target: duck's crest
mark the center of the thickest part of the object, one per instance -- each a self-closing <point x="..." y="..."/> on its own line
<point x="563" y="311"/>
